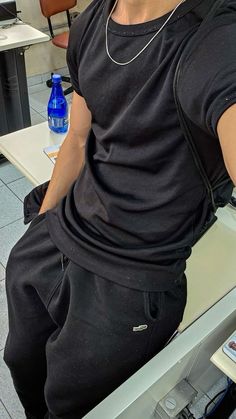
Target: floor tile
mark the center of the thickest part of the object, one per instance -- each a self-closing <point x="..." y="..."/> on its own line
<point x="21" y="187"/>
<point x="37" y="118"/>
<point x="47" y="76"/>
<point x="2" y="272"/>
<point x="37" y="88"/>
<point x="8" y="395"/>
<point x="32" y="80"/>
<point x="11" y="207"/>
<point x="3" y="412"/>
<point x="1" y="183"/>
<point x="9" y="235"/>
<point x="63" y="71"/>
<point x="3" y="316"/>
<point x="38" y="101"/>
<point x="220" y="385"/>
<point x="44" y="115"/>
<point x="32" y="112"/>
<point x="198" y="408"/>
<point x="8" y="173"/>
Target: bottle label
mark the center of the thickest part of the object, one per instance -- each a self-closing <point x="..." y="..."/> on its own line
<point x="56" y="122"/>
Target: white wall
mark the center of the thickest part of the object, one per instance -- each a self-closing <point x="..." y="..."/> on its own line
<point x="45" y="57"/>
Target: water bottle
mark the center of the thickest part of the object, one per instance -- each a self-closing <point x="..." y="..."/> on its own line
<point x="57" y="107"/>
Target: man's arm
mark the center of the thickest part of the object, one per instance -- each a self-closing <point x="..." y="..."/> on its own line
<point x="70" y="159"/>
<point x="226" y="129"/>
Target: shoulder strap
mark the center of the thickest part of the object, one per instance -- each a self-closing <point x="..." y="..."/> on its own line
<point x="189" y="44"/>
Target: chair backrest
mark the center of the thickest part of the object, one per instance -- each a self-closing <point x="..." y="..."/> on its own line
<point x="52" y="7"/>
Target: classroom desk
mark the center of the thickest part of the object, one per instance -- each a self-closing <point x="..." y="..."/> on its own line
<point x="211" y="267"/>
<point x="24" y="149"/>
<point x="14" y="101"/>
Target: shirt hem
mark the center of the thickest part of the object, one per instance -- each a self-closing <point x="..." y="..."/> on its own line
<point x="157" y="280"/>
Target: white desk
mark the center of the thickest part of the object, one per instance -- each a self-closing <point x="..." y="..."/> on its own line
<point x="210" y="269"/>
<point x="14" y="102"/>
<point x="20" y="35"/>
<point x="24" y="149"/>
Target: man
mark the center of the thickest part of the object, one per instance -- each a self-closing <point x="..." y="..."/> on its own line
<point x="96" y="286"/>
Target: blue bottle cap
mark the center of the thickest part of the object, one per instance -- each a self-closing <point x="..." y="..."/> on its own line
<point x="56" y="78"/>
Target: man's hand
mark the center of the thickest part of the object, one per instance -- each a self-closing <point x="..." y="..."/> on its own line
<point x="227" y="135"/>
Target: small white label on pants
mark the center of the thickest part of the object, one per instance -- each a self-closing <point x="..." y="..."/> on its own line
<point x="140" y="328"/>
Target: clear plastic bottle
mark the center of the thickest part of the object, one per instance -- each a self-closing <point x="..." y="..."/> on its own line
<point x="57" y="107"/>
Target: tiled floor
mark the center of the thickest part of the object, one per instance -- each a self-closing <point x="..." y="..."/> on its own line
<point x="13" y="188"/>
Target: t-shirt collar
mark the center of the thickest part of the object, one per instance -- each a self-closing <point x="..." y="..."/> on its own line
<point x="146" y="27"/>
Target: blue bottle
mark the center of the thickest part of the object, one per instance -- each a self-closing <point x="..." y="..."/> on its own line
<point x="57" y="107"/>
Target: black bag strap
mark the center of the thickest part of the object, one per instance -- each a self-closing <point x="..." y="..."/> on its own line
<point x="189" y="44"/>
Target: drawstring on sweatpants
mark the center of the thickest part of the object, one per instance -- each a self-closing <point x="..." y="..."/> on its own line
<point x="62" y="262"/>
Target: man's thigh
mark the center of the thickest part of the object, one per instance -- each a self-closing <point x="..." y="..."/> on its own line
<point x="33" y="271"/>
<point x="97" y="332"/>
<point x="105" y="333"/>
<point x="34" y="263"/>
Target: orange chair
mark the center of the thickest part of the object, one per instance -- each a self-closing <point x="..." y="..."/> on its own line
<point x="50" y="8"/>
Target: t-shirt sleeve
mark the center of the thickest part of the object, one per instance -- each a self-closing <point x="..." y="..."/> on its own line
<point x="208" y="83"/>
<point x="72" y="55"/>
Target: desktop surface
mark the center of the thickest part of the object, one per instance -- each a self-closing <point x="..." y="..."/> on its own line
<point x="20" y="35"/>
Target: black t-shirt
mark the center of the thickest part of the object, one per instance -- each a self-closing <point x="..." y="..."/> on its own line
<point x="133" y="212"/>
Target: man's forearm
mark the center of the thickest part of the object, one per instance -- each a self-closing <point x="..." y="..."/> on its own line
<point x="69" y="163"/>
<point x="227" y="135"/>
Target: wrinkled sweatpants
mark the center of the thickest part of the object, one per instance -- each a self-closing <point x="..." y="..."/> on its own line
<point x="75" y="337"/>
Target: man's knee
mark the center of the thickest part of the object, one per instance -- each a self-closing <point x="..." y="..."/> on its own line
<point x="13" y="270"/>
<point x="18" y="264"/>
<point x="13" y="356"/>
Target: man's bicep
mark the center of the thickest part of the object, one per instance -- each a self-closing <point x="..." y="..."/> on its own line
<point x="226" y="129"/>
<point x="207" y="83"/>
<point x="80" y="117"/>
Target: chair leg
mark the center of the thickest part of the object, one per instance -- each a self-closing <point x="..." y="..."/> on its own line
<point x="49" y="82"/>
<point x="68" y="90"/>
<point x="66" y="79"/>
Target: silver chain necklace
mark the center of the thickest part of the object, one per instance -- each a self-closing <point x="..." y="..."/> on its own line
<point x="149" y="42"/>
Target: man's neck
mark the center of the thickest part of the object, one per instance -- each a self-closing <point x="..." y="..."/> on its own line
<point x="130" y="12"/>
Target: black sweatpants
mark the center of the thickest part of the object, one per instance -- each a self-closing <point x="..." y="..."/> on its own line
<point x="73" y="336"/>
